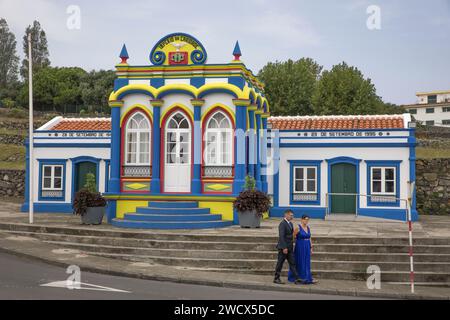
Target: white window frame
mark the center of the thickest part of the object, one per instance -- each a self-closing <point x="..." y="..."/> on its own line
<point x="219" y="143"/>
<point x="52" y="177"/>
<point x="383" y="181"/>
<point x="305" y="179"/>
<point x="138" y="132"/>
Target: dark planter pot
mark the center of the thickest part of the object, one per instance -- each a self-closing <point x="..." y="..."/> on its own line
<point x="93" y="215"/>
<point x="249" y="219"/>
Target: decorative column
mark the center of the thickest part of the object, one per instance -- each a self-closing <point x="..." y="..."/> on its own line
<point x="196" y="186"/>
<point x="114" y="176"/>
<point x="258" y="150"/>
<point x="264" y="155"/>
<point x="252" y="141"/>
<point x="155" y="186"/>
<point x="114" y="181"/>
<point x="240" y="148"/>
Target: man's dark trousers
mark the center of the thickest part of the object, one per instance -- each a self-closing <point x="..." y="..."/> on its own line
<point x="291" y="260"/>
<point x="285" y="241"/>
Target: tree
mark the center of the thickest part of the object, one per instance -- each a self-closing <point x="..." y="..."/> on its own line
<point x="343" y="90"/>
<point x="96" y="87"/>
<point x="290" y="85"/>
<point x="40" y="54"/>
<point x="9" y="61"/>
<point x="55" y="88"/>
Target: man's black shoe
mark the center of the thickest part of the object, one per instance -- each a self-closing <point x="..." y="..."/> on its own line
<point x="278" y="281"/>
<point x="298" y="281"/>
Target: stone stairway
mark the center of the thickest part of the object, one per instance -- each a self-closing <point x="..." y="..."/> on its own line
<point x="171" y="215"/>
<point x="340" y="258"/>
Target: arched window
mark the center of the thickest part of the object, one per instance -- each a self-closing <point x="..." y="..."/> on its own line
<point x="137" y="140"/>
<point x="219" y="140"/>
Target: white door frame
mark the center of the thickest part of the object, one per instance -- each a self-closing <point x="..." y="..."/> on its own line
<point x="177" y="175"/>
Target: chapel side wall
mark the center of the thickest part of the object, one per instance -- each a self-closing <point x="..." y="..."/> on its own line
<point x="68" y="153"/>
<point x="328" y="153"/>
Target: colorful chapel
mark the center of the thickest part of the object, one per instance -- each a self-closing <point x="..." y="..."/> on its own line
<point x="185" y="133"/>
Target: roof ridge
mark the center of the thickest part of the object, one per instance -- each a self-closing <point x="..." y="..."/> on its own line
<point x="371" y="116"/>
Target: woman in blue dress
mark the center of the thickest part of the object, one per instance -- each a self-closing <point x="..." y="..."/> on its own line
<point x="302" y="252"/>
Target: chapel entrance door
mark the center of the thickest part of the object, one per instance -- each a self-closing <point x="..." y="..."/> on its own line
<point x="343" y="180"/>
<point x="177" y="154"/>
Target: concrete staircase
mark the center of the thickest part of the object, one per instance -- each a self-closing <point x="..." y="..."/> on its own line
<point x="343" y="258"/>
<point x="171" y="215"/>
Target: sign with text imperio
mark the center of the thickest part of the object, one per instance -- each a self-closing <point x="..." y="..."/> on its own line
<point x="178" y="49"/>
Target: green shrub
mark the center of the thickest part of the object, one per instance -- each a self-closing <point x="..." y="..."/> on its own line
<point x="18" y="113"/>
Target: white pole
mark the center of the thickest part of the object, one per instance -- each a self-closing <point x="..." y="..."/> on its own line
<point x="30" y="135"/>
<point x="411" y="258"/>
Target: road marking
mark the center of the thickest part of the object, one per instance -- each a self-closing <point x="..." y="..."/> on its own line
<point x="82" y="286"/>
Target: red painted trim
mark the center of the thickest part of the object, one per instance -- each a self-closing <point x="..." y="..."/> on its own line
<point x="204" y="121"/>
<point x="122" y="141"/>
<point x="162" y="163"/>
<point x="181" y="69"/>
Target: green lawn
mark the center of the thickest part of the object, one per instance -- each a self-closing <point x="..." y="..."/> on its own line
<point x="12" y="157"/>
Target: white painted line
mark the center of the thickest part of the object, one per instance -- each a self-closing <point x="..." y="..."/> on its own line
<point x="82" y="286"/>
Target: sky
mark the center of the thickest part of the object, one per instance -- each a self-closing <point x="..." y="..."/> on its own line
<point x="408" y="52"/>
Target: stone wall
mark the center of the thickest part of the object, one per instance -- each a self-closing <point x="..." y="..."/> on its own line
<point x="433" y="186"/>
<point x="15" y="139"/>
<point x="12" y="183"/>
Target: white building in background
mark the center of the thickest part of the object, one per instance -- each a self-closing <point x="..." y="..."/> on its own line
<point x="432" y="108"/>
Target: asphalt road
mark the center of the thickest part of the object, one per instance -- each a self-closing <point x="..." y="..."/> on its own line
<point x="21" y="278"/>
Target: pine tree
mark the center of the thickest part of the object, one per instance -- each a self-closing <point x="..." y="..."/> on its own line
<point x="40" y="52"/>
<point x="9" y="61"/>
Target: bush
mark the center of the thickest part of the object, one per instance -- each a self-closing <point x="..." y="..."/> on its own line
<point x="18" y="113"/>
<point x="84" y="199"/>
<point x="88" y="196"/>
<point x="252" y="199"/>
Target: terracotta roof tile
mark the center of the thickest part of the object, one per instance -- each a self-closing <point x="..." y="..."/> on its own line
<point x="337" y="122"/>
<point x="85" y="124"/>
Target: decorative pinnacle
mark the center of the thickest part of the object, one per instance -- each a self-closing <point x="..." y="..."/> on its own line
<point x="237" y="51"/>
<point x="124" y="54"/>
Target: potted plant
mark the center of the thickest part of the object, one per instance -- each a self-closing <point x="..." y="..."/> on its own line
<point x="251" y="204"/>
<point x="89" y="203"/>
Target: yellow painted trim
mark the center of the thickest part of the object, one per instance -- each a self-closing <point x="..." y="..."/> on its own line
<point x="179" y="105"/>
<point x="197" y="102"/>
<point x="241" y="102"/>
<point x="178" y="86"/>
<point x="169" y="197"/>
<point x="136" y="179"/>
<point x="144" y="87"/>
<point x="141" y="107"/>
<point x="128" y="206"/>
<point x="115" y="103"/>
<point x="223" y="208"/>
<point x="253" y="107"/>
<point x="219" y="105"/>
<point x="212" y="86"/>
<point x="156" y="103"/>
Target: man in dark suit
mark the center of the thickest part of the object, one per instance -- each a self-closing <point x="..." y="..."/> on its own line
<point x="285" y="247"/>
